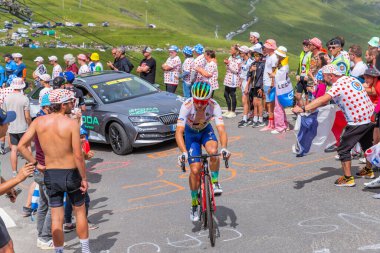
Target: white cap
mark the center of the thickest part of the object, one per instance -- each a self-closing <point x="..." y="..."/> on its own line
<point x="17" y="55"/>
<point x="53" y="58"/>
<point x="39" y="59"/>
<point x="281" y="51"/>
<point x="244" y="49"/>
<point x="45" y="77"/>
<point x="255" y="34"/>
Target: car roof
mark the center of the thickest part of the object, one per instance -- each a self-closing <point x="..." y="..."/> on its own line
<point x="98" y="77"/>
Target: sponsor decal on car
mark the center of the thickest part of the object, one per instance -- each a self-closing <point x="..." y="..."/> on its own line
<point x="90" y="122"/>
<point x="139" y="111"/>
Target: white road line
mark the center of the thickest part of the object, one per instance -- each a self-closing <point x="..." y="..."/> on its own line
<point x="9" y="223"/>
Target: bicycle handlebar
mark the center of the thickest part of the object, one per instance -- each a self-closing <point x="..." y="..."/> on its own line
<point x="205" y="156"/>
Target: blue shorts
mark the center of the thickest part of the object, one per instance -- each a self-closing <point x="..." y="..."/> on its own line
<point x="267" y="96"/>
<point x="194" y="140"/>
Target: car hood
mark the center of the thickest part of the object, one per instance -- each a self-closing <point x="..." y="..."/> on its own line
<point x="154" y="104"/>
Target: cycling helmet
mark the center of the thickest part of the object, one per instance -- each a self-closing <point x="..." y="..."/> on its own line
<point x="201" y="90"/>
<point x="187" y="50"/>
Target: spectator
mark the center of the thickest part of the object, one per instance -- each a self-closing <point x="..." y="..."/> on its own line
<point x="2" y="77"/>
<point x="319" y="88"/>
<point x="45" y="82"/>
<point x="70" y="63"/>
<point x="281" y="78"/>
<point x="210" y="72"/>
<point x="302" y="72"/>
<point x="57" y="69"/>
<point x="10" y="68"/>
<point x="359" y="67"/>
<point x="315" y="47"/>
<point x="83" y="69"/>
<point x="199" y="62"/>
<point x="359" y="128"/>
<point x="254" y="38"/>
<point x="256" y="78"/>
<point x="338" y="59"/>
<point x="186" y="71"/>
<point x="69" y="76"/>
<point x="6" y="187"/>
<point x="97" y="65"/>
<point x="40" y="70"/>
<point x="90" y="63"/>
<point x="370" y="56"/>
<point x="21" y="67"/>
<point x="243" y="83"/>
<point x="147" y="67"/>
<point x="233" y="64"/>
<point x="171" y="69"/>
<point x="270" y="65"/>
<point x="18" y="102"/>
<point x="121" y="63"/>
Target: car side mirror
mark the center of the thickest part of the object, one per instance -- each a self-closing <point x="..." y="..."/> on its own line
<point x="89" y="101"/>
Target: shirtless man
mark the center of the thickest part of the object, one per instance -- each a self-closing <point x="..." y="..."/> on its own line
<point x="65" y="168"/>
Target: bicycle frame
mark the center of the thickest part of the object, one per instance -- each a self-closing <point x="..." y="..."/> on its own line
<point x="205" y="171"/>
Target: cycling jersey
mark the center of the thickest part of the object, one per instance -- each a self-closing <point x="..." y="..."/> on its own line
<point x="188" y="115"/>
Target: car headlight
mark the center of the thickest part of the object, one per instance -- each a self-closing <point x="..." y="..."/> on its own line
<point x="137" y="120"/>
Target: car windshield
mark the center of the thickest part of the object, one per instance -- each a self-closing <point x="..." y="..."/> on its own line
<point x="122" y="89"/>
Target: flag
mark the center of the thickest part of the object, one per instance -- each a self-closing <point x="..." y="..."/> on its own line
<point x="35" y="197"/>
<point x="314" y="131"/>
<point x="373" y="155"/>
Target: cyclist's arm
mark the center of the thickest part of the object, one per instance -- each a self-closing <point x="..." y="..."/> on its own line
<point x="222" y="135"/>
<point x="179" y="138"/>
<point x="220" y="125"/>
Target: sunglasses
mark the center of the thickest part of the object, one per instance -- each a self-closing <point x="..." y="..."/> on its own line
<point x="332" y="47"/>
<point x="201" y="102"/>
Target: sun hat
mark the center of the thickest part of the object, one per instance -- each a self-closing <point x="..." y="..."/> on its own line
<point x="173" y="48"/>
<point x="316" y="42"/>
<point x="374" y="42"/>
<point x="60" y="96"/>
<point x="371" y="72"/>
<point x="17" y="55"/>
<point x="45" y="77"/>
<point x="334" y="41"/>
<point x="6" y="117"/>
<point x="147" y="50"/>
<point x="254" y="34"/>
<point x="45" y="100"/>
<point x="331" y="69"/>
<point x="187" y="50"/>
<point x="68" y="75"/>
<point x="281" y="51"/>
<point x="39" y="59"/>
<point x="17" y="83"/>
<point x="82" y="57"/>
<point x="244" y="49"/>
<point x="270" y="44"/>
<point x="198" y="48"/>
<point x="53" y="58"/>
<point x="94" y="57"/>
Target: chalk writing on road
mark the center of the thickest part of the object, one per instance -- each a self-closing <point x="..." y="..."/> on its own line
<point x="190" y="241"/>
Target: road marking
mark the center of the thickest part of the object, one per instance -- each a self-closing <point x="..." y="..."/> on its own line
<point x="117" y="165"/>
<point x="322" y="251"/>
<point x="370" y="247"/>
<point x="144" y="243"/>
<point x="9" y="223"/>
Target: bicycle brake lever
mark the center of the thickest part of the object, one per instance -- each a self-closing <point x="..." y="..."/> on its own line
<point x="225" y="160"/>
<point x="183" y="163"/>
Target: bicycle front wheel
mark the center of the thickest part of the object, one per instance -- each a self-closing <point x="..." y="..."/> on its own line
<point x="209" y="211"/>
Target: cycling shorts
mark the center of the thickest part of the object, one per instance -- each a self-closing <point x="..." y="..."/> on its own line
<point x="194" y="141"/>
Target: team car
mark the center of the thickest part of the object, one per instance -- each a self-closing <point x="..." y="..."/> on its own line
<point x="124" y="110"/>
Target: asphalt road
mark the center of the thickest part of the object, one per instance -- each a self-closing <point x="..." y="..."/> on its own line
<point x="272" y="202"/>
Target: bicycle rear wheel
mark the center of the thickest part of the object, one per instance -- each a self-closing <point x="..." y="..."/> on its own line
<point x="209" y="211"/>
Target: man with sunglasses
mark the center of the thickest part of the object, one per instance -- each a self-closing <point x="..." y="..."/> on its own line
<point x="338" y="58"/>
<point x="302" y="71"/>
<point x="194" y="123"/>
<point x="64" y="169"/>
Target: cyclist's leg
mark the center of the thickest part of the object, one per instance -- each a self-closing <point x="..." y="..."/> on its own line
<point x="210" y="142"/>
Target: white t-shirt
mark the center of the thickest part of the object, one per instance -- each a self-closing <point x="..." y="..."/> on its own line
<point x="359" y="69"/>
<point x="56" y="70"/>
<point x="83" y="69"/>
<point x="349" y="94"/>
<point x="270" y="63"/>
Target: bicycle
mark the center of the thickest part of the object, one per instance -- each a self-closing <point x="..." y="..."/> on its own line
<point x="206" y="194"/>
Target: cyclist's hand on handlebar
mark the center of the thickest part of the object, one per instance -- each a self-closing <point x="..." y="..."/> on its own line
<point x="182" y="158"/>
<point x="225" y="153"/>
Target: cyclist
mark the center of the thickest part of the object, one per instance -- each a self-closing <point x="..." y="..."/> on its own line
<point x="194" y="123"/>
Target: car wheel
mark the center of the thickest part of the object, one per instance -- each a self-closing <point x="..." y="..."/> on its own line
<point x="119" y="140"/>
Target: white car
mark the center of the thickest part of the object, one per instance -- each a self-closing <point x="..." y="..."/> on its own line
<point x="91" y="25"/>
<point x="3" y="30"/>
<point x="22" y="30"/>
<point x="69" y="24"/>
